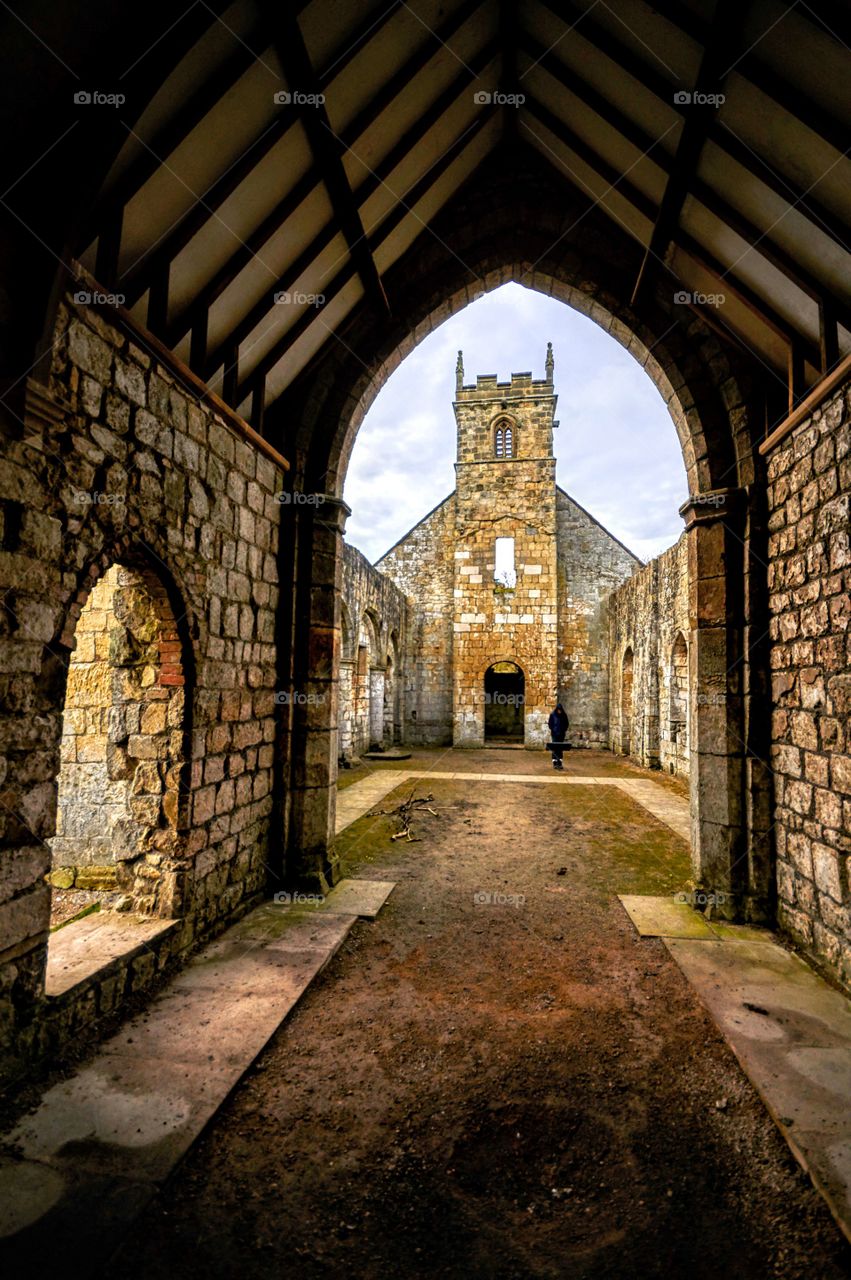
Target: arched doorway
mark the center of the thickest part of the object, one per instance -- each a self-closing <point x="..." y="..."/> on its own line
<point x="626" y="703"/>
<point x="505" y="699"/>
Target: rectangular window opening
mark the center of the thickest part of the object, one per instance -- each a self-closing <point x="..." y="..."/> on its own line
<point x="504" y="573"/>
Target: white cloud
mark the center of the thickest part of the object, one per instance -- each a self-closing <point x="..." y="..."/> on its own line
<point x="616" y="448"/>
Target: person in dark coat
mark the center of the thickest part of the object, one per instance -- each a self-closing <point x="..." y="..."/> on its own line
<point x="558" y="725"/>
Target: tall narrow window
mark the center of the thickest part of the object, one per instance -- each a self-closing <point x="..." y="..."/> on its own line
<point x="504" y="572"/>
<point x="503" y="439"/>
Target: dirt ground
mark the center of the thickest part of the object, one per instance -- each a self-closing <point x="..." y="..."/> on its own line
<point x="496" y="1077"/>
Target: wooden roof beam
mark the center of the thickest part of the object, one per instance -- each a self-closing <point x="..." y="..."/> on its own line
<point x="762" y="244"/>
<point x="371" y="183"/>
<point x="377" y="238"/>
<point x="696" y="126"/>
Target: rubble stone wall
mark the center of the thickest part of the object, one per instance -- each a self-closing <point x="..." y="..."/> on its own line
<point x="649" y="698"/>
<point x="373" y="657"/>
<point x="422" y="565"/>
<point x="119" y="463"/>
<point x="809" y="578"/>
<point x="591" y="565"/>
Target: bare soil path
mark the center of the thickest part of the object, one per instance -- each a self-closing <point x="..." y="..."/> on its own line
<point x="496" y="1078"/>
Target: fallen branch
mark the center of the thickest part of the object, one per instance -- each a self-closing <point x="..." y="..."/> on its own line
<point x="406" y="812"/>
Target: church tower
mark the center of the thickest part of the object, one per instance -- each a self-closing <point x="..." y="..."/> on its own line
<point x="505" y="656"/>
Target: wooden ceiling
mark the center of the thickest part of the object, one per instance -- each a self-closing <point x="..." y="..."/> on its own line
<point x="294" y="153"/>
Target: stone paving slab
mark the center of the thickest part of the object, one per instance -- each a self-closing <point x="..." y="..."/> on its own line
<point x="791" y="1033"/>
<point x="358" y="897"/>
<point x="81" y="949"/>
<point x="78" y="1171"/>
<point x="671" y="809"/>
<point x="354" y="801"/>
<point x="656" y="917"/>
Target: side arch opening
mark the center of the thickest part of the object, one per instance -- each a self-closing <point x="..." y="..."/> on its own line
<point x="121" y="790"/>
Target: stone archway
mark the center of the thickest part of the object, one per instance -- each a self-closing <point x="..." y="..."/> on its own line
<point x="708" y="389"/>
<point x="505" y="702"/>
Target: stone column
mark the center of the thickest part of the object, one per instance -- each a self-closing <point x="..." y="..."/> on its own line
<point x="315" y="739"/>
<point x="715" y="523"/>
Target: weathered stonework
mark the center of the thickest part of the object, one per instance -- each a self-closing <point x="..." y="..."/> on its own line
<point x="648" y="654"/>
<point x="122" y="743"/>
<point x="130" y="469"/>
<point x="505" y="497"/>
<point x="591" y="566"/>
<point x="422" y="564"/>
<point x="809" y="579"/>
<point x="550" y="620"/>
<point x="374" y="643"/>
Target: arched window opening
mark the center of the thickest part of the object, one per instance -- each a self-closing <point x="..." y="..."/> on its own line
<point x="503" y="439"/>
<point x="678" y="711"/>
<point x="392" y="695"/>
<point x="345" y="691"/>
<point x="119" y="784"/>
<point x="377" y="674"/>
<point x="626" y="703"/>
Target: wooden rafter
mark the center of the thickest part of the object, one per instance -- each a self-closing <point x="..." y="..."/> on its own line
<point x="367" y="188"/>
<point x="626" y="127"/>
<point x="726" y="278"/>
<point x="376" y="239"/>
<point x="696" y="125"/>
<point x="175" y="131"/>
<point x="326" y="147"/>
<point x="755" y="69"/>
<point x="719" y="135"/>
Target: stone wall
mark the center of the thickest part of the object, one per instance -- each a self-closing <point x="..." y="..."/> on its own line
<point x="591" y="564"/>
<point x="648" y="621"/>
<point x="373" y="661"/>
<point x="809" y="578"/>
<point x="422" y="565"/>
<point x="119" y="463"/>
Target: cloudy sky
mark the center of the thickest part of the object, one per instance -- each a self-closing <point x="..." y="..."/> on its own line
<point x="617" y="450"/>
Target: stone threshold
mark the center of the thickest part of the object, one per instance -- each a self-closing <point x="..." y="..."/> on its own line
<point x="789" y="1030"/>
<point x="76" y="1173"/>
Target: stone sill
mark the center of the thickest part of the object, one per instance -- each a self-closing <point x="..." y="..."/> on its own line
<point x="92" y="949"/>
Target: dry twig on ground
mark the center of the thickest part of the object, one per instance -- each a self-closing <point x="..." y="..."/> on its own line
<point x="406" y="812"/>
